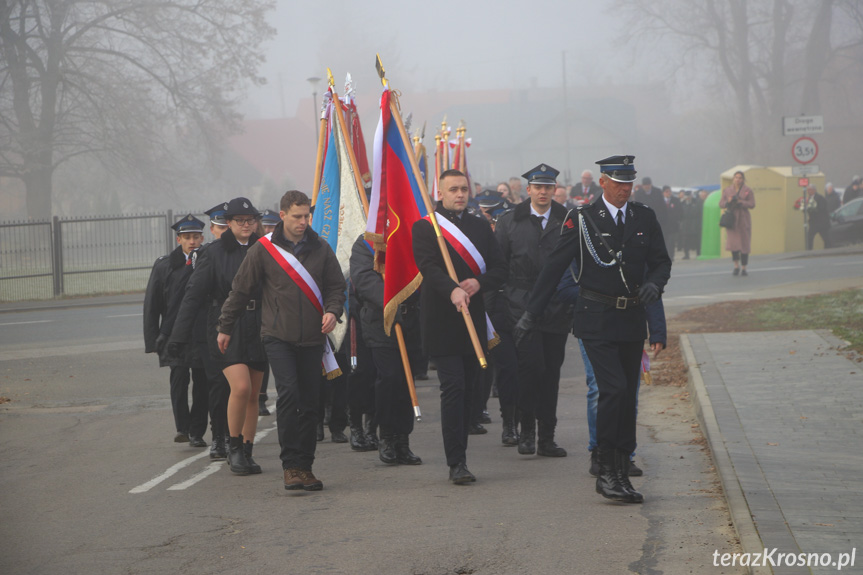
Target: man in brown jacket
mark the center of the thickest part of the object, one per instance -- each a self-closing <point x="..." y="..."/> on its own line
<point x="303" y="294"/>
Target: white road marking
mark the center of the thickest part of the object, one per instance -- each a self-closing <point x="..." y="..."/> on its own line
<point x="209" y="470"/>
<point x="127" y="315"/>
<point x="206" y="472"/>
<point x="168" y="473"/>
<point x="28" y="322"/>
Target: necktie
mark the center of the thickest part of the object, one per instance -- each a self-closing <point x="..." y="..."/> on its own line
<point x="619" y="231"/>
<point x="541" y="221"/>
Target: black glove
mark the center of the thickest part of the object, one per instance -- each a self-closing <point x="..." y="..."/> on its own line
<point x="526" y="324"/>
<point x="175" y="349"/>
<point x="160" y="343"/>
<point x="649" y="293"/>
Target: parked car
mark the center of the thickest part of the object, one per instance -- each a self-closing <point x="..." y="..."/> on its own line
<point x="846" y="224"/>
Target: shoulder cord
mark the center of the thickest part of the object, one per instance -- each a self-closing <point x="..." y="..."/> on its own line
<point x="584" y="238"/>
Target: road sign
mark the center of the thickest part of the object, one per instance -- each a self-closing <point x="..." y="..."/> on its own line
<point x="804" y="150"/>
<point x="802" y="182"/>
<point x="805" y="170"/>
<point x="802" y="125"/>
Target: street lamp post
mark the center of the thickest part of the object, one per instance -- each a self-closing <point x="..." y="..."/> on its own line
<point x="314" y="81"/>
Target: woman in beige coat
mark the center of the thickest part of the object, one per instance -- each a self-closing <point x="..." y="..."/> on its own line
<point x="738" y="198"/>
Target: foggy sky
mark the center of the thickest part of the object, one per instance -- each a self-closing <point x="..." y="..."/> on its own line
<point x="443" y="45"/>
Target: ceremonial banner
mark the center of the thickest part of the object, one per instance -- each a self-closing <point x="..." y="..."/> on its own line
<point x="395" y="205"/>
<point x="339" y="216"/>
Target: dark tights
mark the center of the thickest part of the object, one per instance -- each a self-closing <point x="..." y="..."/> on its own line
<point x="743" y="258"/>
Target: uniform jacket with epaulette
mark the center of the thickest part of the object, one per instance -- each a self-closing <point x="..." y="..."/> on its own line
<point x="210" y="284"/>
<point x="644" y="259"/>
<point x="526" y="246"/>
<point x="162" y="300"/>
<point x="369" y="288"/>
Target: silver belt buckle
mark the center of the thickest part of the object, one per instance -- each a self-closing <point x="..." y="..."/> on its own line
<point x="622" y="300"/>
<point x="251" y="305"/>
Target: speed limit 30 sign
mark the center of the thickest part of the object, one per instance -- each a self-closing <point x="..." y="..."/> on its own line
<point x="804" y="150"/>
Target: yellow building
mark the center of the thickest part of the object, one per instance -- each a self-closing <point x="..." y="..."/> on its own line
<point x="776" y="226"/>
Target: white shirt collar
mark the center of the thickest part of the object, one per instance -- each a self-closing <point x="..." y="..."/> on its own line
<point x="544" y="216"/>
<point x="614" y="209"/>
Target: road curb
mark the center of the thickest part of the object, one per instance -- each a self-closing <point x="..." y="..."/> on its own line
<point x="741" y="516"/>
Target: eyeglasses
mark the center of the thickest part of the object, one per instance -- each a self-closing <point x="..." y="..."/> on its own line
<point x="245" y="221"/>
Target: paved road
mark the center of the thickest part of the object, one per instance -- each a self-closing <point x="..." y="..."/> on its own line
<point x="90" y="481"/>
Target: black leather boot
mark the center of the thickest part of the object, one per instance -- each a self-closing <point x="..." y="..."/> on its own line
<point x="404" y="455"/>
<point x="254" y="468"/>
<point x="608" y="481"/>
<point x="545" y="444"/>
<point x="358" y="437"/>
<point x="509" y="435"/>
<point x="527" y="441"/>
<point x="236" y="458"/>
<point x="387" y="448"/>
<point x="623" y="464"/>
<point x="218" y="450"/>
<point x="370" y="430"/>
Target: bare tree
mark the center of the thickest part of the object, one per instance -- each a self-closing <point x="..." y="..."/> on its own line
<point x="121" y="80"/>
<point x="756" y="47"/>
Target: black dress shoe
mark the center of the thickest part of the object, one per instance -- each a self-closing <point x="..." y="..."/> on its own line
<point x="548" y="448"/>
<point x="338" y="437"/>
<point x="485" y="417"/>
<point x="181" y="437"/>
<point x="634" y="470"/>
<point x="421" y="377"/>
<point x="477" y="429"/>
<point x="459" y="474"/>
<point x="197" y="441"/>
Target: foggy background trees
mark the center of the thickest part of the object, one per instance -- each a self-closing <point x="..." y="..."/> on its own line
<point x="122" y="93"/>
<point x="766" y="58"/>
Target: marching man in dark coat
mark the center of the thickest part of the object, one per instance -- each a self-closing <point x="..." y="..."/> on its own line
<point x="445" y="335"/>
<point x="624" y="265"/>
<point x="527" y="235"/>
<point x="161" y="303"/>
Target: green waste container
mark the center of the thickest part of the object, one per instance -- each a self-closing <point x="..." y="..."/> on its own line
<point x="710" y="235"/>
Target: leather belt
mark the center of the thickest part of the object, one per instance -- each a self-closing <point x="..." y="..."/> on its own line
<point x="251" y="305"/>
<point x="618" y="302"/>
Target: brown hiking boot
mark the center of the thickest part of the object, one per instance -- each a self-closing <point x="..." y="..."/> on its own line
<point x="309" y="481"/>
<point x="293" y="480"/>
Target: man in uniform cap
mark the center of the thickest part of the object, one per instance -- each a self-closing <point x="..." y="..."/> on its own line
<point x="620" y="252"/>
<point x="269" y="219"/>
<point x="527" y="235"/>
<point x="165" y="292"/>
<point x="218" y="223"/>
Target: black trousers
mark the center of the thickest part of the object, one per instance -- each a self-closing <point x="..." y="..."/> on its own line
<point x="361" y="381"/>
<point x="616" y="365"/>
<point x="336" y="394"/>
<point x="219" y="392"/>
<point x="393" y="407"/>
<point x="192" y="421"/>
<point x="540" y="356"/>
<point x="810" y="237"/>
<point x="459" y="376"/>
<point x="297" y="375"/>
<point x="505" y="366"/>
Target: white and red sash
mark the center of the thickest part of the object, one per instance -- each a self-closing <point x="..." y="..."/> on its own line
<point x="304" y="280"/>
<point x="468" y="252"/>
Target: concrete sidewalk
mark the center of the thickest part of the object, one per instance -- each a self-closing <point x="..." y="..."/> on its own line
<point x="783" y="412"/>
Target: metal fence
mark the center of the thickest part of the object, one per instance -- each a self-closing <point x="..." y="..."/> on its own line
<point x="41" y="259"/>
